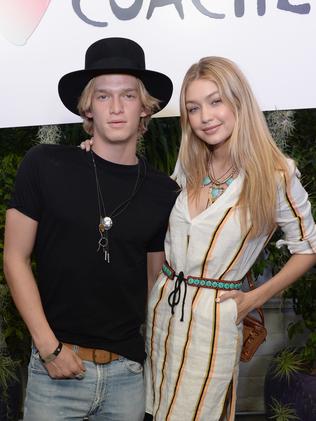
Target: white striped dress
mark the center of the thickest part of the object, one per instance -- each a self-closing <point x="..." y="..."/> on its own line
<point x="192" y="365"/>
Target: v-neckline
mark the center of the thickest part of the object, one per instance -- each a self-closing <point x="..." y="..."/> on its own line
<point x="213" y="205"/>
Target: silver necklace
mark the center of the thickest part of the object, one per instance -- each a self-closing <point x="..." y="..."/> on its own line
<point x="106" y="220"/>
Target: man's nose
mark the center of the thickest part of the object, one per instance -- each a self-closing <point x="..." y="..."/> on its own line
<point x="116" y="105"/>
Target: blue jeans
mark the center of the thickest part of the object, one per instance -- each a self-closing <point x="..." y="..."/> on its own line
<point x="110" y="392"/>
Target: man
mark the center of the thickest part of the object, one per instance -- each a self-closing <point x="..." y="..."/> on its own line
<point x="96" y="223"/>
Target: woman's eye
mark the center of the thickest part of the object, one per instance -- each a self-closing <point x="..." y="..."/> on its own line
<point x="192" y="109"/>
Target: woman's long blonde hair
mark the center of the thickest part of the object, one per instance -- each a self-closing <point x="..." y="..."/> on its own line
<point x="251" y="146"/>
<point x="150" y="104"/>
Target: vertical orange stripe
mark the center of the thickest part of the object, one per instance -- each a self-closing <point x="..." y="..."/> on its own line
<point x="152" y="336"/>
<point x="163" y="367"/>
<point x="233" y="400"/>
<point x="185" y="354"/>
<point x="213" y="241"/>
<point x="237" y="255"/>
<point x="211" y="370"/>
<point x="293" y="207"/>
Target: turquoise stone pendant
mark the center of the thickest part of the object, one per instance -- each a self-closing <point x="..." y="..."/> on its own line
<point x="206" y="181"/>
<point x="216" y="188"/>
<point x="216" y="192"/>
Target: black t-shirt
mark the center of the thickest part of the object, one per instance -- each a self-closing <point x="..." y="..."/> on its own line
<point x="88" y="301"/>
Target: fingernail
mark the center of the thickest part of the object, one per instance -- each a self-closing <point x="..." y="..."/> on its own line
<point x="218" y="300"/>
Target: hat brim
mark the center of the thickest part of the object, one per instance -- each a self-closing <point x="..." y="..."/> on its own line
<point x="72" y="84"/>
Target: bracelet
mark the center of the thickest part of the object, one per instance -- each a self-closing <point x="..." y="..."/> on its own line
<point x="53" y="355"/>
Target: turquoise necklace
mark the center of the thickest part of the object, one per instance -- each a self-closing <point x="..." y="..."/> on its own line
<point x="217" y="187"/>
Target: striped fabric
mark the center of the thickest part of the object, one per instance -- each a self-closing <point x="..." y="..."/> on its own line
<point x="192" y="365"/>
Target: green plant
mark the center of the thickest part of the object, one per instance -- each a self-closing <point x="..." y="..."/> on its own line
<point x="8" y="167"/>
<point x="7" y="372"/>
<point x="282" y="412"/>
<point x="286" y="363"/>
<point x="14" y="337"/>
<point x="162" y="143"/>
<point x="303" y="295"/>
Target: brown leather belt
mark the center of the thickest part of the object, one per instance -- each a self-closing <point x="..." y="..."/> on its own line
<point x="97" y="356"/>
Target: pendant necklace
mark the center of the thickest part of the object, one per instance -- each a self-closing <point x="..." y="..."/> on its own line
<point x="218" y="185"/>
<point x="216" y="189"/>
<point x="106" y="220"/>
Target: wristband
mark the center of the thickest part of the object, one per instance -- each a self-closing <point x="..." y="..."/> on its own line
<point x="53" y="355"/>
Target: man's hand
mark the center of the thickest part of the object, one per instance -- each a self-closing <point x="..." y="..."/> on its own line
<point x="67" y="365"/>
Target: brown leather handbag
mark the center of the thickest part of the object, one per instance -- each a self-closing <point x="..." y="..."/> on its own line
<point x="254" y="332"/>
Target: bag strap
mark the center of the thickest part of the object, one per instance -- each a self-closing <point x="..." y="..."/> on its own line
<point x="253" y="286"/>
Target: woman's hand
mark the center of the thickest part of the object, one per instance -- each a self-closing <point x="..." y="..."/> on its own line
<point x="86" y="145"/>
<point x="244" y="301"/>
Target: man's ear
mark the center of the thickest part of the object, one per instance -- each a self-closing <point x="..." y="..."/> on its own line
<point x="89" y="113"/>
<point x="144" y="113"/>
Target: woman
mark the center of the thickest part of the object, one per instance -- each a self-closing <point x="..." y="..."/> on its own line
<point x="237" y="186"/>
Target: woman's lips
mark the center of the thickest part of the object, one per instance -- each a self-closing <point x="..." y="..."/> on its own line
<point x="211" y="129"/>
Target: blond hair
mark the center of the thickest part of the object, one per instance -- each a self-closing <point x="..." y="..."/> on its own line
<point x="150" y="104"/>
<point x="251" y="146"/>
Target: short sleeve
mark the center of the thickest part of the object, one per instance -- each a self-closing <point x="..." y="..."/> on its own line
<point x="294" y="215"/>
<point x="26" y="196"/>
<point x="157" y="242"/>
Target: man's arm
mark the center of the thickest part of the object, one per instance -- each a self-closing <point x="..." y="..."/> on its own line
<point x="20" y="234"/>
<point x="154" y="264"/>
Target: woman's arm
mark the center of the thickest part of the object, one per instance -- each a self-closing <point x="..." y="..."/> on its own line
<point x="294" y="217"/>
<point x="295" y="267"/>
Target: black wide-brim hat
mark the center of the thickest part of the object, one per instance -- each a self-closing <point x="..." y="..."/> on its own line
<point x="113" y="56"/>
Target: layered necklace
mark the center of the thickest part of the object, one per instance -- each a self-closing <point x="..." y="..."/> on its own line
<point x="217" y="185"/>
<point x="105" y="219"/>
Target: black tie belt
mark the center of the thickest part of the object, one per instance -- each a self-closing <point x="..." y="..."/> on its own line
<point x="199" y="282"/>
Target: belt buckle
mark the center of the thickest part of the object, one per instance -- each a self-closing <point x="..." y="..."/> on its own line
<point x="101" y="356"/>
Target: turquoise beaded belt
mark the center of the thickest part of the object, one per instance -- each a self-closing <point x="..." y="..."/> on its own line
<point x="202" y="282"/>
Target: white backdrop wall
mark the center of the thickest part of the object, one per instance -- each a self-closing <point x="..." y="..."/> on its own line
<point x="273" y="41"/>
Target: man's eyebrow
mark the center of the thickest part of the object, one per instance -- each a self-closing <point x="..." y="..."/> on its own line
<point x="109" y="90"/>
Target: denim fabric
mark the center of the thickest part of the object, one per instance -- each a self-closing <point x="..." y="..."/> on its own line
<point x="110" y="392"/>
